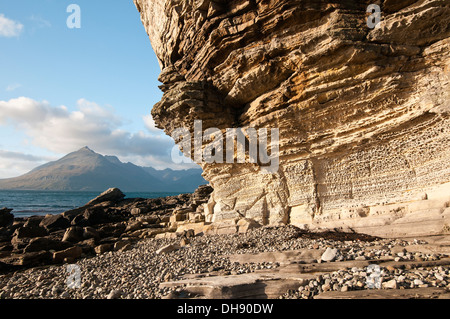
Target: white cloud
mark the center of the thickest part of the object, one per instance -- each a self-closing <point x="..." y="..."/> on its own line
<point x="13" y="87"/>
<point x="40" y="22"/>
<point x="61" y="131"/>
<point x="13" y="164"/>
<point x="150" y="124"/>
<point x="9" y="28"/>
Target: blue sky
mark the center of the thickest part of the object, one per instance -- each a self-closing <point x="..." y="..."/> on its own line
<point x="62" y="89"/>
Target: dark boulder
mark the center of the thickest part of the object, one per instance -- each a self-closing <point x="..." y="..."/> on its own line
<point x="6" y="218"/>
<point x="73" y="213"/>
<point x="103" y="248"/>
<point x="22" y="236"/>
<point x="33" y="221"/>
<point x="44" y="243"/>
<point x="88" y="246"/>
<point x="29" y="259"/>
<point x="71" y="254"/>
<point x="79" y="221"/>
<point x="73" y="234"/>
<point x="90" y="232"/>
<point x="111" y="230"/>
<point x="111" y="195"/>
<point x="95" y="215"/>
<point x="30" y="232"/>
<point x="6" y="234"/>
<point x="54" y="222"/>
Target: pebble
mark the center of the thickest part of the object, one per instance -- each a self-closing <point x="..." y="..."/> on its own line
<point x="329" y="254"/>
<point x="114" y="294"/>
<point x="137" y="272"/>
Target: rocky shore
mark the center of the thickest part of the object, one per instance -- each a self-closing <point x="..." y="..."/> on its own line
<point x="162" y="248"/>
<point x="109" y="222"/>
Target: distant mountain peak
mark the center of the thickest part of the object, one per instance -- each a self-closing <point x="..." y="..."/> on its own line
<point x="84" y="149"/>
<point x="86" y="170"/>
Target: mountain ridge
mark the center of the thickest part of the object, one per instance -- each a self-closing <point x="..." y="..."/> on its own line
<point x="86" y="170"/>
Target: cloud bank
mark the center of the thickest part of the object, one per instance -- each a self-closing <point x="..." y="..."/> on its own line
<point x="61" y="131"/>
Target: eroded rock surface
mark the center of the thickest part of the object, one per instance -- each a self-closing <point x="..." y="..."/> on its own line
<point x="363" y="113"/>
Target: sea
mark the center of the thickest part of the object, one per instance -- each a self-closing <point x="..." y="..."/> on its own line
<point x="30" y="203"/>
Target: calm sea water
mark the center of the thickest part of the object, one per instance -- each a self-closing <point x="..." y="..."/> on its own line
<point x="29" y="203"/>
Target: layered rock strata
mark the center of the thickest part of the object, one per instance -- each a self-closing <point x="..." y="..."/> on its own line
<point x="362" y="113"/>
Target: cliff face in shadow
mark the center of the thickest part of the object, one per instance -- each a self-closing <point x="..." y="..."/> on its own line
<point x="362" y="112"/>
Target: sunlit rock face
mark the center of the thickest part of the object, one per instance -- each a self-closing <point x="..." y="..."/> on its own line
<point x="362" y="113"/>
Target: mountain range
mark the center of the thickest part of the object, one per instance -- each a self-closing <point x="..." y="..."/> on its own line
<point x="86" y="170"/>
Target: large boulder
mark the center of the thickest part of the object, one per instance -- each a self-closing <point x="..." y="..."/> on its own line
<point x="112" y="230"/>
<point x="5" y="234"/>
<point x="33" y="221"/>
<point x="29" y="259"/>
<point x="111" y="195"/>
<point x="90" y="232"/>
<point x="73" y="234"/>
<point x="54" y="222"/>
<point x="246" y="224"/>
<point x="6" y="218"/>
<point x="69" y="253"/>
<point x="22" y="236"/>
<point x="44" y="243"/>
<point x="95" y="215"/>
<point x="79" y="221"/>
<point x="103" y="248"/>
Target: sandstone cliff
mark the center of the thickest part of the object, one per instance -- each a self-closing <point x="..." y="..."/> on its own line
<point x="362" y="113"/>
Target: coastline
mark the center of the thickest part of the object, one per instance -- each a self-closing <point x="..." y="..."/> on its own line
<point x="105" y="223"/>
<point x="162" y="249"/>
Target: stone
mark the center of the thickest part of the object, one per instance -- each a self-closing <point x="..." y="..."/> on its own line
<point x="29" y="232"/>
<point x="246" y="224"/>
<point x="351" y="137"/>
<point x="111" y="195"/>
<point x="90" y="232"/>
<point x="133" y="226"/>
<point x="418" y="282"/>
<point x="184" y="242"/>
<point x="95" y="215"/>
<point x="189" y="233"/>
<point x="29" y="259"/>
<point x="6" y="218"/>
<point x="177" y="217"/>
<point x="167" y="249"/>
<point x="126" y="247"/>
<point x="330" y="254"/>
<point x="33" y="221"/>
<point x="135" y="211"/>
<point x="88" y="246"/>
<point x="114" y="230"/>
<point x="114" y="294"/>
<point x="65" y="295"/>
<point x="168" y="235"/>
<point x="73" y="252"/>
<point x="73" y="234"/>
<point x="44" y="243"/>
<point x="391" y="284"/>
<point x="79" y="221"/>
<point x="103" y="248"/>
<point x="118" y="246"/>
<point x="54" y="222"/>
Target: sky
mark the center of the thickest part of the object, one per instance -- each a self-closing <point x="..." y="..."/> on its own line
<point x="70" y="80"/>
